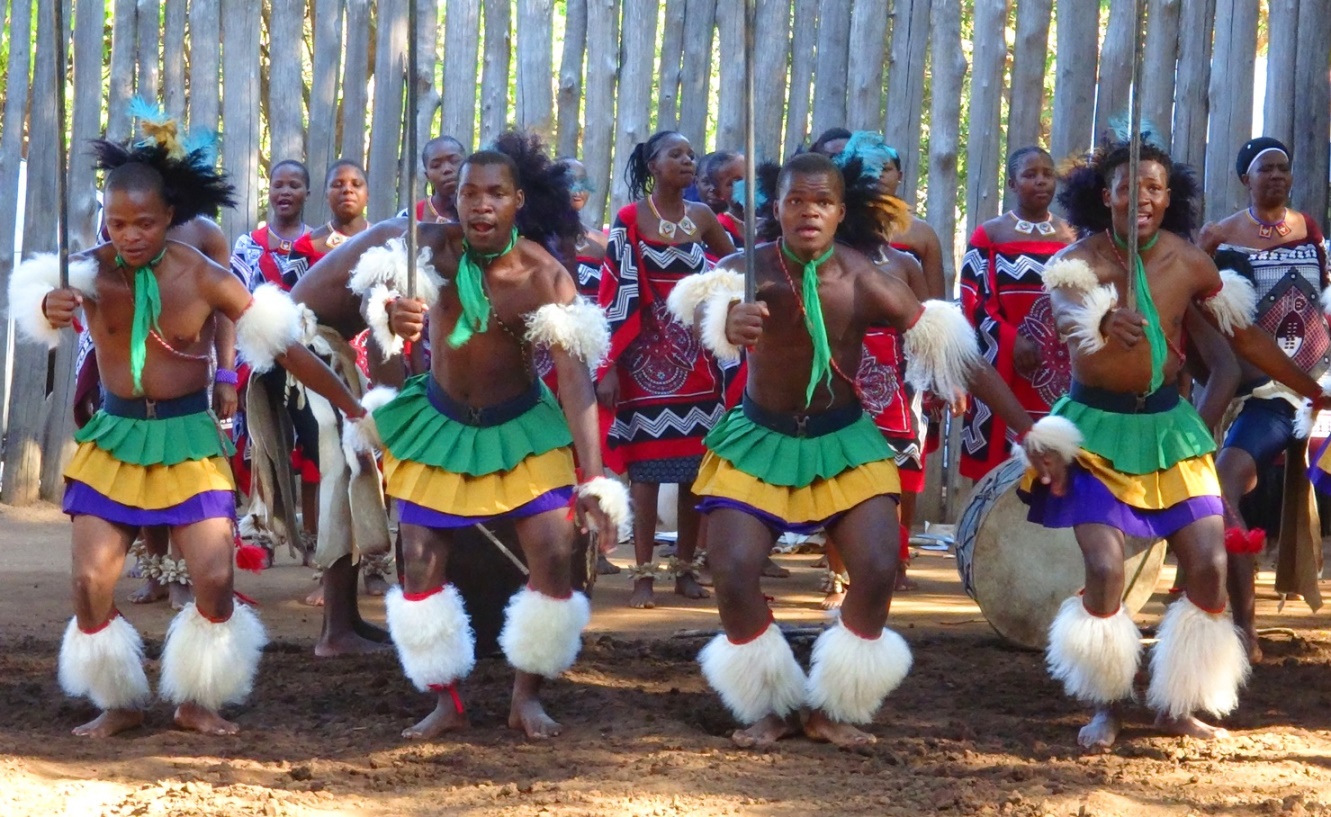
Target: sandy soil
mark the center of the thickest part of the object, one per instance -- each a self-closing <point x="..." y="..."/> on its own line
<point x="977" y="728"/>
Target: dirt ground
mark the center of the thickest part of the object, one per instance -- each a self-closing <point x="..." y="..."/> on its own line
<point x="977" y="728"/>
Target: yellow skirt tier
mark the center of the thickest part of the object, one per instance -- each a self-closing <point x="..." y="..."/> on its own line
<point x="1186" y="479"/>
<point x="819" y="500"/>
<point x="150" y="487"/>
<point x="486" y="495"/>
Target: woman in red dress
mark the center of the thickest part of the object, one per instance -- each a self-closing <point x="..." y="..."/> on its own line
<point x="666" y="390"/>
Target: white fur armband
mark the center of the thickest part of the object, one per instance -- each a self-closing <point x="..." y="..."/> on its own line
<point x="1235" y="305"/>
<point x="386" y="264"/>
<point x="269" y="326"/>
<point x="611" y="495"/>
<point x="1087" y="317"/>
<point x="696" y="290"/>
<point x="1070" y="273"/>
<point x="376" y="316"/>
<point x="1050" y="434"/>
<point x="579" y="328"/>
<point x="941" y="349"/>
<point x="30" y="283"/>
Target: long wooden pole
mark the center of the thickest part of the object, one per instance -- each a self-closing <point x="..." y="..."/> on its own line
<point x="750" y="160"/>
<point x="61" y="157"/>
<point x="409" y="143"/>
<point x="1135" y="146"/>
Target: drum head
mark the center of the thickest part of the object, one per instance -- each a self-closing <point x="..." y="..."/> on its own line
<point x="1021" y="572"/>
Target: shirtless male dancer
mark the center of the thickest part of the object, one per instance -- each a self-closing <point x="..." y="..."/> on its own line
<point x="1134" y="457"/>
<point x="153" y="454"/>
<point x="480" y="437"/>
<point x="801" y="452"/>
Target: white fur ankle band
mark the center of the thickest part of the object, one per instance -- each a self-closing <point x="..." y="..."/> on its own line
<point x="433" y="636"/>
<point x="1198" y="663"/>
<point x="542" y="634"/>
<point x="1234" y="305"/>
<point x="611" y="495"/>
<point x="269" y="326"/>
<point x="579" y="328"/>
<point x="104" y="666"/>
<point x="756" y="678"/>
<point x="851" y="675"/>
<point x="211" y="663"/>
<point x="941" y="350"/>
<point x="30" y="283"/>
<point x="1095" y="658"/>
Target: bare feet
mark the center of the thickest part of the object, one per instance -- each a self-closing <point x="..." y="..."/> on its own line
<point x="1253" y="645"/>
<point x="1102" y="731"/>
<point x="151" y="591"/>
<point x="643" y="598"/>
<point x="529" y="716"/>
<point x="181" y="594"/>
<point x="903" y="583"/>
<point x="346" y="643"/>
<point x="605" y="567"/>
<point x="110" y="722"/>
<point x="822" y="729"/>
<point x="315" y="598"/>
<point x="687" y="585"/>
<point x="834" y="599"/>
<point x="772" y="570"/>
<point x="376" y="585"/>
<point x="765" y="732"/>
<point x="1189" y="727"/>
<point x="195" y="718"/>
<point x="444" y="718"/>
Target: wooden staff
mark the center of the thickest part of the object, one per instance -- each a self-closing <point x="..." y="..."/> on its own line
<point x="409" y="160"/>
<point x="61" y="159"/>
<point x="750" y="161"/>
<point x="1135" y="144"/>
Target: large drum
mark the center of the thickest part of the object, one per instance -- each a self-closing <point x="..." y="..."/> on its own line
<point x="486" y="578"/>
<point x="1019" y="573"/>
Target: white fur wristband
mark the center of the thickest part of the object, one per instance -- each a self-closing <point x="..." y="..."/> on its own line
<point x="386" y="264"/>
<point x="696" y="290"/>
<point x="941" y="349"/>
<point x="1051" y="435"/>
<point x="30" y="283"/>
<point x="611" y="495"/>
<point x="1070" y="273"/>
<point x="579" y="328"/>
<point x="1087" y="317"/>
<point x="376" y="316"/>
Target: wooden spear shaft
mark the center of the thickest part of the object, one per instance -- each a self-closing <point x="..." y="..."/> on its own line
<point x="61" y="157"/>
<point x="410" y="160"/>
<point x="750" y="160"/>
<point x="1135" y="146"/>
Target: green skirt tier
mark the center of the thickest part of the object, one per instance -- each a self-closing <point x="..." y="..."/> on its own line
<point x="1139" y="443"/>
<point x="795" y="462"/>
<point x="170" y="441"/>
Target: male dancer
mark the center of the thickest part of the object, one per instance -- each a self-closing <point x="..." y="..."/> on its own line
<point x="1134" y="458"/>
<point x="480" y="437"/>
<point x="1289" y="272"/>
<point x="153" y="454"/>
<point x="801" y="453"/>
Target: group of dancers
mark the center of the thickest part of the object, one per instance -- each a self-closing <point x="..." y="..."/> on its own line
<point x="530" y="355"/>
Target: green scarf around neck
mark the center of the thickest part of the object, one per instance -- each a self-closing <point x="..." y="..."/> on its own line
<point x="471" y="291"/>
<point x="813" y="321"/>
<point x="1155" y="333"/>
<point x="147" y="313"/>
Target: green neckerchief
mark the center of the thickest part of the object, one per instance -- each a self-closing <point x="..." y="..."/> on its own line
<point x="147" y="312"/>
<point x="813" y="321"/>
<point x="471" y="291"/>
<point x="1155" y="333"/>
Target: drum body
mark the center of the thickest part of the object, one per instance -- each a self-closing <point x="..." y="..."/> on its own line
<point x="486" y="578"/>
<point x="1019" y="573"/>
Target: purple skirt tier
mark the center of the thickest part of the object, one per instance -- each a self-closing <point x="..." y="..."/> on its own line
<point x="1089" y="502"/>
<point x="410" y="513"/>
<point x="80" y="499"/>
<point x="776" y="523"/>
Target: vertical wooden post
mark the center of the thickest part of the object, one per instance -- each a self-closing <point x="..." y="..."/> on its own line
<point x="1111" y="94"/>
<point x="570" y="77"/>
<point x="905" y="90"/>
<point x="1074" y="83"/>
<point x="286" y="81"/>
<point x="637" y="60"/>
<point x="730" y="77"/>
<point x="602" y="76"/>
<point x="695" y="96"/>
<point x="983" y="162"/>
<point x="1281" y="69"/>
<point x="1191" y="109"/>
<point x="1162" y="42"/>
<point x="148" y="22"/>
<point x="355" y="99"/>
<point x="1312" y="111"/>
<point x="494" y="71"/>
<point x="205" y="81"/>
<point x="11" y="160"/>
<point x="240" y="112"/>
<point x="829" y="92"/>
<point x="120" y="78"/>
<point x="427" y="96"/>
<point x="173" y="59"/>
<point x="864" y="74"/>
<point x="535" y="31"/>
<point x="1231" y="104"/>
<point x="1028" y="60"/>
<point x="386" y="125"/>
<point x="804" y="36"/>
<point x="86" y="124"/>
<point x="462" y="37"/>
<point x="669" y="74"/>
<point x="773" y="62"/>
<point x="321" y="147"/>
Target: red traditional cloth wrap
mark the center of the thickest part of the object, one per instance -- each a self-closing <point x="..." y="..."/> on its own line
<point x="1002" y="294"/>
<point x="1245" y="543"/>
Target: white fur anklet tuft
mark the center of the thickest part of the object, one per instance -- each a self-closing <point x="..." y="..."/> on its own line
<point x="433" y="636"/>
<point x="612" y="496"/>
<point x="755" y="679"/>
<point x="1198" y="663"/>
<point x="211" y="664"/>
<point x="579" y="328"/>
<point x="270" y="325"/>
<point x="941" y="350"/>
<point x="1087" y="317"/>
<point x="1235" y="305"/>
<point x="542" y="634"/>
<point x="105" y="666"/>
<point x="1095" y="658"/>
<point x="849" y="676"/>
<point x="1055" y="435"/>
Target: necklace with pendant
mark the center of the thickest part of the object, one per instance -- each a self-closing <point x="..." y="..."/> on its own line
<point x="1045" y="227"/>
<point x="334" y="236"/>
<point x="666" y="228"/>
<point x="284" y="244"/>
<point x="1270" y="229"/>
